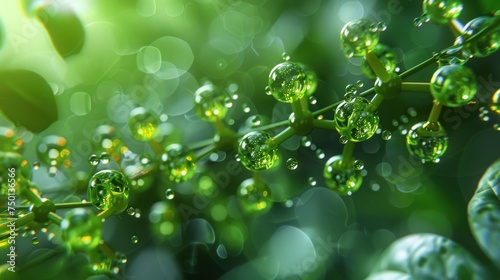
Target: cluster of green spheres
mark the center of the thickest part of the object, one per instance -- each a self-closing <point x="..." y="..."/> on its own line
<point x="453" y="85"/>
<point x="143" y="124"/>
<point x="81" y="230"/>
<point x="109" y="189"/>
<point x="353" y="121"/>
<point x="254" y="196"/>
<point x="342" y="177"/>
<point x="178" y="163"/>
<point x="442" y="11"/>
<point x="257" y="151"/>
<point x="211" y="103"/>
<point x="487" y="43"/>
<point x="385" y="55"/>
<point x="427" y="141"/>
<point x="52" y="150"/>
<point x="288" y="81"/>
<point x="358" y="37"/>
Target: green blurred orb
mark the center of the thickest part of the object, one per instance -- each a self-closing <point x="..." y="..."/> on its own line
<point x="143" y="124"/>
<point x="211" y="103"/>
<point x="178" y="163"/>
<point x="257" y="151"/>
<point x="359" y="36"/>
<point x="81" y="230"/>
<point x="288" y="82"/>
<point x="107" y="189"/>
<point x="52" y="150"/>
<point x="254" y="197"/>
<point x="427" y="141"/>
<point x="353" y="121"/>
<point x="453" y="85"/>
<point x="442" y="11"/>
<point x="342" y="177"/>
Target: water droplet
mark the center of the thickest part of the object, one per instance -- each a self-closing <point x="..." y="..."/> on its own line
<point x="360" y="83"/>
<point x="93" y="160"/>
<point x="285" y="56"/>
<point x="386" y="135"/>
<point x="320" y="154"/>
<point x="256" y="121"/>
<point x="381" y="26"/>
<point x="131" y="211"/>
<point x="228" y="102"/>
<point x="104" y="158"/>
<point x="292" y="163"/>
<point x="135" y="239"/>
<point x="36" y="165"/>
<point x="305" y="141"/>
<point x="163" y="117"/>
<point x="221" y="251"/>
<point x="246" y="108"/>
<point x="359" y="164"/>
<point x="312" y="100"/>
<point x="312" y="181"/>
<point x="268" y="90"/>
<point x="343" y="139"/>
<point x="169" y="194"/>
<point x="496" y="126"/>
<point x="145" y="159"/>
<point x="137" y="213"/>
<point x="375" y="187"/>
<point x="52" y="171"/>
<point x="35" y="241"/>
<point x="412" y="112"/>
<point x="351" y="89"/>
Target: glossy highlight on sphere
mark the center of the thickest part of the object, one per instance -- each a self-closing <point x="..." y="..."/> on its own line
<point x="109" y="188"/>
<point x="487" y="43"/>
<point x="178" y="163"/>
<point x="288" y="81"/>
<point x="427" y="141"/>
<point x="143" y="124"/>
<point x="81" y="230"/>
<point x="254" y="197"/>
<point x="210" y="102"/>
<point x="442" y="11"/>
<point x="453" y="85"/>
<point x="359" y="36"/>
<point x="257" y="151"/>
<point x="343" y="178"/>
<point x="385" y="55"/>
<point x="353" y="122"/>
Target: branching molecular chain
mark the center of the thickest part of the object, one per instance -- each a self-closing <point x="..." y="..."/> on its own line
<point x="119" y="173"/>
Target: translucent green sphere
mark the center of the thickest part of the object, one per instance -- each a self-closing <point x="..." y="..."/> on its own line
<point x="178" y="163"/>
<point x="353" y="122"/>
<point x="211" y="103"/>
<point x="359" y="36"/>
<point x="257" y="151"/>
<point x="143" y="124"/>
<point x="342" y="177"/>
<point x="453" y="85"/>
<point x="288" y="82"/>
<point x="163" y="218"/>
<point x="385" y="55"/>
<point x="312" y="79"/>
<point x="487" y="43"/>
<point x="81" y="230"/>
<point x="52" y="150"/>
<point x="254" y="197"/>
<point x="442" y="11"/>
<point x="109" y="188"/>
<point x="427" y="141"/>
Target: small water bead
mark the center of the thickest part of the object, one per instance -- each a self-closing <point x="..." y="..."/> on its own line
<point x="320" y="154"/>
<point x="137" y="214"/>
<point x="178" y="163"/>
<point x="453" y="85"/>
<point x="288" y="81"/>
<point x="109" y="188"/>
<point x="131" y="211"/>
<point x="359" y="164"/>
<point x="145" y="159"/>
<point x="52" y="171"/>
<point x="351" y="89"/>
<point x="254" y="197"/>
<point x="487" y="43"/>
<point x="81" y="229"/>
<point x="311" y="181"/>
<point x="341" y="177"/>
<point x="134" y="239"/>
<point x="419" y="21"/>
<point x="359" y="36"/>
<point x="386" y="135"/>
<point x="292" y="163"/>
<point x="427" y="141"/>
<point x="354" y="122"/>
<point x="306" y="141"/>
<point x="210" y="102"/>
<point x="52" y="150"/>
<point x="381" y="26"/>
<point x="360" y="83"/>
<point x="93" y="160"/>
<point x="104" y="158"/>
<point x="228" y="102"/>
<point x="343" y="140"/>
<point x="285" y="56"/>
<point x="143" y="124"/>
<point x="35" y="241"/>
<point x="442" y="11"/>
<point x="258" y="151"/>
<point x="312" y="100"/>
<point x="246" y="108"/>
<point x="36" y="165"/>
<point x="268" y="91"/>
<point x="169" y="194"/>
<point x="313" y="147"/>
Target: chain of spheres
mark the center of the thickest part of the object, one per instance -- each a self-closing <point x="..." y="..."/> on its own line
<point x="118" y="170"/>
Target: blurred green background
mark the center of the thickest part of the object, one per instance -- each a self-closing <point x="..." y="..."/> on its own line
<point x="156" y="53"/>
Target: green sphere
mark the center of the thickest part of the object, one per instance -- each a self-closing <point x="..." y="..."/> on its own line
<point x="288" y="82"/>
<point x="353" y="122"/>
<point x="178" y="163"/>
<point x="453" y="85"/>
<point x="257" y="151"/>
<point x="109" y="188"/>
<point x="342" y="177"/>
<point x="484" y="45"/>
<point x="359" y="36"/>
<point x="211" y="103"/>
<point x="442" y="11"/>
<point x="312" y="79"/>
<point x="81" y="230"/>
<point x="254" y="197"/>
<point x="9" y="142"/>
<point x="52" y="150"/>
<point x="163" y="218"/>
<point x="385" y="55"/>
<point x="427" y="141"/>
<point x="143" y="124"/>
